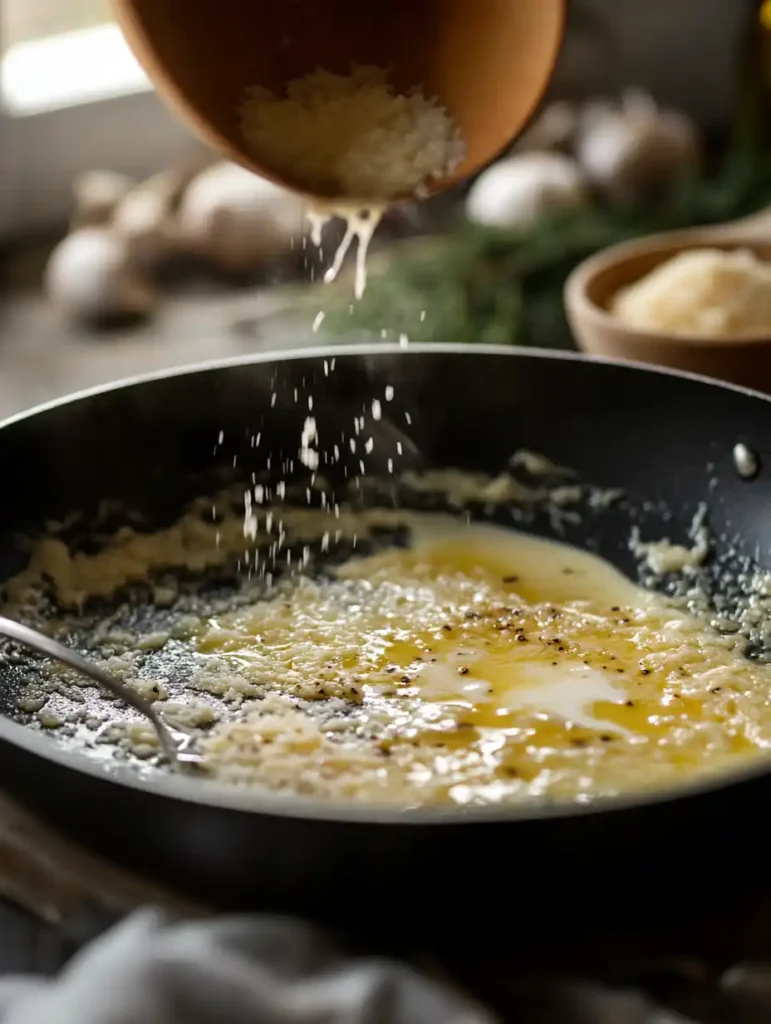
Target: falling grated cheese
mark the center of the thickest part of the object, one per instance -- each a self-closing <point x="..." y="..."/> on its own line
<point x="359" y="224"/>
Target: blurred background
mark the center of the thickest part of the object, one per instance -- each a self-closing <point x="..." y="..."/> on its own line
<point x="125" y="247"/>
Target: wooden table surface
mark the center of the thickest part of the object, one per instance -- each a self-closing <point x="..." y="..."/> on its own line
<point x="42" y="357"/>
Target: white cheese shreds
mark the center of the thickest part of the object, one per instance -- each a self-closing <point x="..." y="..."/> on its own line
<point x="352" y="135"/>
<point x="662" y="556"/>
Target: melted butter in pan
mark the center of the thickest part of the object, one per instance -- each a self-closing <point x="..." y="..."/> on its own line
<point x="494" y="665"/>
<point x="501" y="654"/>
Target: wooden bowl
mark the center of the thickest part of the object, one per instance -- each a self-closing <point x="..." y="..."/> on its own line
<point x="745" y="359"/>
<point x="488" y="61"/>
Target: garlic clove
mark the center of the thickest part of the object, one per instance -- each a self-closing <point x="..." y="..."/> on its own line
<point x="637" y="150"/>
<point x="552" y="131"/>
<point x="520" y="190"/>
<point x="90" y="277"/>
<point x="239" y="221"/>
<point x="639" y="106"/>
<point x="97" y="194"/>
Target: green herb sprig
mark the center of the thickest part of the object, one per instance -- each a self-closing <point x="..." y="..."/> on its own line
<point x="495" y="286"/>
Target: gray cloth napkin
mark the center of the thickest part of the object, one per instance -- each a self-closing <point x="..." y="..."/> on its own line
<point x="239" y="970"/>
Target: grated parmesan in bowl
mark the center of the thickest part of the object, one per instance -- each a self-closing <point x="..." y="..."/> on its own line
<point x="707" y="293"/>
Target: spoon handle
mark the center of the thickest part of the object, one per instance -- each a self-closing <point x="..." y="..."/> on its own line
<point x="46" y="645"/>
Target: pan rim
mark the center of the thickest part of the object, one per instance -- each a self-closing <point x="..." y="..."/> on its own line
<point x="373" y="349"/>
<point x="220" y="796"/>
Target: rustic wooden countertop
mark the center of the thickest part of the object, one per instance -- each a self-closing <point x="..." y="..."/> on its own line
<point x="42" y="357"/>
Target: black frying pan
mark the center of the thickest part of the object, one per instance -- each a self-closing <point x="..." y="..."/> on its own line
<point x="666" y="439"/>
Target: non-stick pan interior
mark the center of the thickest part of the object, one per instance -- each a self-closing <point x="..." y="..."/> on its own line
<point x="664" y="444"/>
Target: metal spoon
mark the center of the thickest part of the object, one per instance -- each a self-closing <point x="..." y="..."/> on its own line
<point x="171" y="741"/>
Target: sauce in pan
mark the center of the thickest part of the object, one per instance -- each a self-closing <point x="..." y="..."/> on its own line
<point x="479" y="665"/>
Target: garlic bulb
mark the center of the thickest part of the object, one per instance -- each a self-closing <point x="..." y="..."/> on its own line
<point x="635" y="150"/>
<point x="553" y="130"/>
<point x="145" y="219"/>
<point x="90" y="277"/>
<point x="238" y="220"/>
<point x="520" y="190"/>
<point x="97" y="194"/>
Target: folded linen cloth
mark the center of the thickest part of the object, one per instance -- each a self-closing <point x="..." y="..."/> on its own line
<point x="237" y="970"/>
